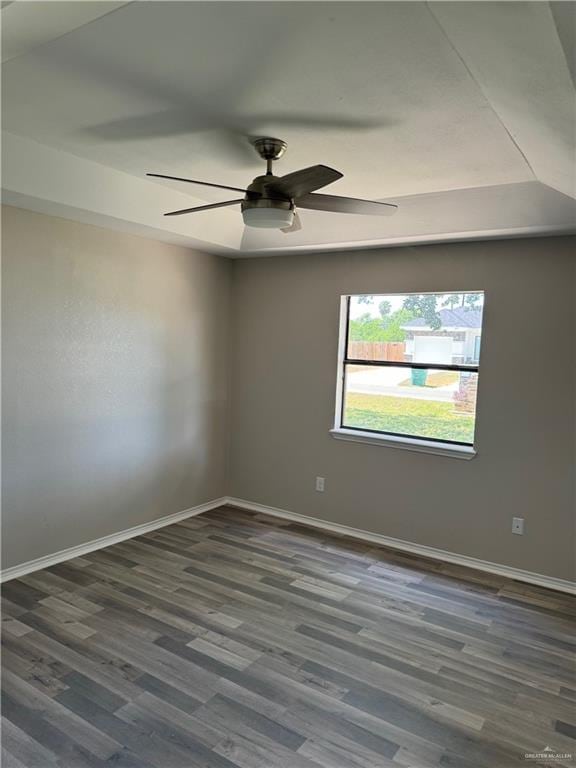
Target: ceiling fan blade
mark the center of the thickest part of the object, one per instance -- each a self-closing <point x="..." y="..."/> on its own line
<point x="193" y="181"/>
<point x="203" y="207"/>
<point x="296" y="225"/>
<point x="337" y="204"/>
<point x="306" y="180"/>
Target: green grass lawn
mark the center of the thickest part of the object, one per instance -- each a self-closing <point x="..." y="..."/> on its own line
<point x="408" y="417"/>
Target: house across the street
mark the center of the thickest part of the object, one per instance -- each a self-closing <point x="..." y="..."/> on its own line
<point x="456" y="341"/>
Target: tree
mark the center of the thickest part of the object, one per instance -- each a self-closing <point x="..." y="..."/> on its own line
<point x="393" y="330"/>
<point x="472" y="300"/>
<point x="424" y="305"/>
<point x="385" y="307"/>
<point x="452" y="300"/>
<point x="368" y="328"/>
<point x="466" y="301"/>
<point x="365" y="328"/>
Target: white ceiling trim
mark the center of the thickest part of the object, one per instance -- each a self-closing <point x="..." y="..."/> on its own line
<point x="552" y="230"/>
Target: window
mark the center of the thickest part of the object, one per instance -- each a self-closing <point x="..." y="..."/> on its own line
<point x="408" y="369"/>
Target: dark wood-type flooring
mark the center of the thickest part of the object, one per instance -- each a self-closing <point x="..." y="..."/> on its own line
<point x="234" y="640"/>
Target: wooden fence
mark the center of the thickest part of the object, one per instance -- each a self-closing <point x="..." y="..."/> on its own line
<point x="376" y="350"/>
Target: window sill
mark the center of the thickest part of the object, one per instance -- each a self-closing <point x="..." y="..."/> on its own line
<point x="405" y="443"/>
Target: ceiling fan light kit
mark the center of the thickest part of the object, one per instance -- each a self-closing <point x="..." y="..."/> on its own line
<point x="270" y="201"/>
<point x="267" y="214"/>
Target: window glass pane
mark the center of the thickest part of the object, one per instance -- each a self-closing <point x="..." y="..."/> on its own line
<point x="441" y="328"/>
<point x="427" y="403"/>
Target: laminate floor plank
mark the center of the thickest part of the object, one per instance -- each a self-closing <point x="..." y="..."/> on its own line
<point x="237" y="640"/>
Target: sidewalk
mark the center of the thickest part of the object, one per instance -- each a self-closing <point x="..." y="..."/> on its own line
<point x="386" y="381"/>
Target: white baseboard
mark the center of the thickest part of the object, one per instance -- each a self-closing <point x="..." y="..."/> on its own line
<point x="550" y="582"/>
<point x="105" y="541"/>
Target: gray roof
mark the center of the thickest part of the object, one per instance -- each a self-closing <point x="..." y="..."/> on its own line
<point x="461" y="317"/>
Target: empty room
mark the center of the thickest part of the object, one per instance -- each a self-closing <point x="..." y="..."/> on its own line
<point x="289" y="384"/>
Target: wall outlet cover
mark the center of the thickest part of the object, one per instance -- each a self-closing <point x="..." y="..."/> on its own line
<point x="518" y="525"/>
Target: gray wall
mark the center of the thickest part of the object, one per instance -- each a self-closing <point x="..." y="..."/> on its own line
<point x="115" y="382"/>
<point x="115" y="392"/>
<point x="285" y="328"/>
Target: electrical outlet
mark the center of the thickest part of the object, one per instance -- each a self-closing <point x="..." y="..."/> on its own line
<point x="518" y="525"/>
<point x="320" y="484"/>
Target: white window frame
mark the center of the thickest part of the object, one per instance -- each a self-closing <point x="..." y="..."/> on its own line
<point x="419" y="445"/>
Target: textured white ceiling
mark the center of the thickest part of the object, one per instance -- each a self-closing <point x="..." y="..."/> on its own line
<point x="534" y="99"/>
<point x="412" y="101"/>
<point x="30" y="24"/>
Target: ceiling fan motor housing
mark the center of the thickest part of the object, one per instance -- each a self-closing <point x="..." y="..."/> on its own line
<point x="264" y="207"/>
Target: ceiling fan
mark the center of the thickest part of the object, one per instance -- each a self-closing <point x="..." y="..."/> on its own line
<point x="271" y="201"/>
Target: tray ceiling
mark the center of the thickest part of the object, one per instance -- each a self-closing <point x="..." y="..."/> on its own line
<point x="463" y="113"/>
